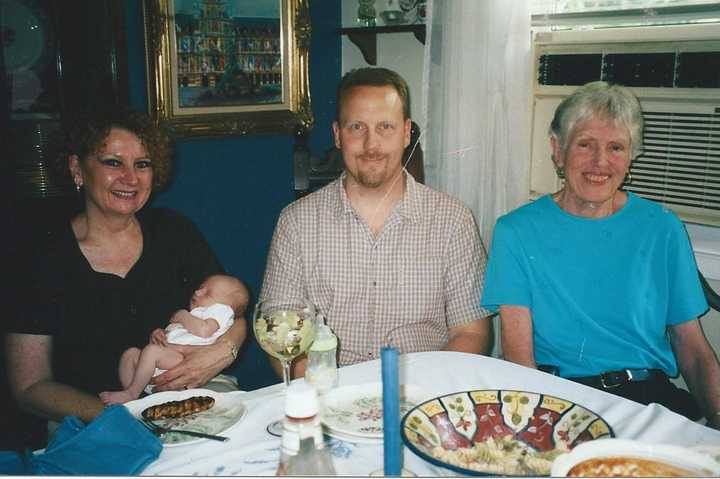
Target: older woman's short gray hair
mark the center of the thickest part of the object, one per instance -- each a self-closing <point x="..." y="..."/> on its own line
<point x="599" y="99"/>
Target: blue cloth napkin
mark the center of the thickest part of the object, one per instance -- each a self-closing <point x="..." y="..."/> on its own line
<point x="114" y="443"/>
<point x="15" y="463"/>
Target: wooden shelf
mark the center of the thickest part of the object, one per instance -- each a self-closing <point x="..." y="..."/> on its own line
<point x="366" y="37"/>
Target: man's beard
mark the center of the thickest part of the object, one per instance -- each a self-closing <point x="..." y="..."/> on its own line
<point x="376" y="174"/>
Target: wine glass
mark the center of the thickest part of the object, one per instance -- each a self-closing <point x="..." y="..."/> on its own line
<point x="285" y="329"/>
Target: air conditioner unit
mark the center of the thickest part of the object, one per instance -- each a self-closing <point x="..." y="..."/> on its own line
<point x="675" y="72"/>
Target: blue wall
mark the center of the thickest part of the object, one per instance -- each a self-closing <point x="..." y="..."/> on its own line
<point x="234" y="188"/>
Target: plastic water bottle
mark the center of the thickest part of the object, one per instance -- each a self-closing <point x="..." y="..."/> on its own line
<point x="321" y="370"/>
<point x="303" y="451"/>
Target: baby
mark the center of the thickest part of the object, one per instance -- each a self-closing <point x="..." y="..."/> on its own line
<point x="213" y="307"/>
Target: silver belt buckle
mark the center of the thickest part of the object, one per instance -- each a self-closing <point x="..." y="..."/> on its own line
<point x="628" y="376"/>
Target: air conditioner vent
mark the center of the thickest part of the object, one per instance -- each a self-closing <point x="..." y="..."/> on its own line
<point x="648" y="70"/>
<point x="698" y="70"/>
<point x="680" y="163"/>
<point x="571" y="69"/>
<point x="640" y="69"/>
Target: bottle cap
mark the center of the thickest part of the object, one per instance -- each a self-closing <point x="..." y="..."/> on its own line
<point x="325" y="339"/>
<point x="301" y="400"/>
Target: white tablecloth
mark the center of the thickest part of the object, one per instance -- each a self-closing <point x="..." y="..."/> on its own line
<point x="253" y="452"/>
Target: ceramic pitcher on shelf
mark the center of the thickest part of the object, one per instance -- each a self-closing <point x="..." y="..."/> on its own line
<point x="366" y="13"/>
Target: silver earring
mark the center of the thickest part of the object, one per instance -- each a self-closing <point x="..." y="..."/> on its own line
<point x="560" y="172"/>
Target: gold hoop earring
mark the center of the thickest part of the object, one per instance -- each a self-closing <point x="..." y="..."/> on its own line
<point x="628" y="178"/>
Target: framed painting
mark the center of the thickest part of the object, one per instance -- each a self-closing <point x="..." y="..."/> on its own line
<point x="228" y="67"/>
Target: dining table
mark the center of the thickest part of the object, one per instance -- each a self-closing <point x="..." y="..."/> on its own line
<point x="252" y="451"/>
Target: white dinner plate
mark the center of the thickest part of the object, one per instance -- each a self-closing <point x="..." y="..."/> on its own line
<point x="351" y="438"/>
<point x="227" y="411"/>
<point x="356" y="411"/>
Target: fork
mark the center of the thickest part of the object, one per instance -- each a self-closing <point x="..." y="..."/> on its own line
<point x="160" y="430"/>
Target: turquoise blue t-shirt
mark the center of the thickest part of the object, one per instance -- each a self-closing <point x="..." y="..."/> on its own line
<point x="601" y="292"/>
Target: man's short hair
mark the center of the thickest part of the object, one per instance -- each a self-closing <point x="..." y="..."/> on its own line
<point x="373" y="77"/>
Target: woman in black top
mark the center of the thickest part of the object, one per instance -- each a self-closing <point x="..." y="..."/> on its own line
<point x="114" y="274"/>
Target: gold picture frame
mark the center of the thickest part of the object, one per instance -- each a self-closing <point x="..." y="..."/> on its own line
<point x="216" y="68"/>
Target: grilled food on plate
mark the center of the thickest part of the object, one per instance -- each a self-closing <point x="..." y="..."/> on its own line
<point x="175" y="409"/>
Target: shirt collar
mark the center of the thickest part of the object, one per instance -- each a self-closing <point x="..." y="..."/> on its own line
<point x="408" y="208"/>
<point x="343" y="206"/>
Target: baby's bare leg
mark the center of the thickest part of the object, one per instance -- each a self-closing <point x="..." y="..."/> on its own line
<point x="152" y="356"/>
<point x="128" y="365"/>
<point x="170" y="358"/>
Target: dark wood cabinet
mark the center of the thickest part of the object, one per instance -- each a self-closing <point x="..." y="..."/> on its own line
<point x="56" y="56"/>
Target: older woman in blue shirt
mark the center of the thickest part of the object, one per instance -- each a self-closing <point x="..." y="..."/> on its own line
<point x="596" y="283"/>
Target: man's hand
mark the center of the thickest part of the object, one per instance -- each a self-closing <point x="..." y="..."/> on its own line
<point x="158" y="337"/>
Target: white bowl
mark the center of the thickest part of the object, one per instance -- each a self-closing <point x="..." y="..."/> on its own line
<point x="690" y="461"/>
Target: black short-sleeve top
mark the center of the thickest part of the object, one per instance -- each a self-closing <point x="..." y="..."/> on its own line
<point x="93" y="317"/>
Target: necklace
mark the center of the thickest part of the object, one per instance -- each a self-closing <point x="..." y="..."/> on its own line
<point x="615" y="201"/>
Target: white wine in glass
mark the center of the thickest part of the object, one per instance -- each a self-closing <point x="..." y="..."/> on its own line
<point x="285" y="329"/>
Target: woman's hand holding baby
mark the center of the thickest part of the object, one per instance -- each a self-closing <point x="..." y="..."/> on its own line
<point x="200" y="365"/>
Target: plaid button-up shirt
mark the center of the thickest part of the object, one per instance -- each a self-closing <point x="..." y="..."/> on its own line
<point x="422" y="274"/>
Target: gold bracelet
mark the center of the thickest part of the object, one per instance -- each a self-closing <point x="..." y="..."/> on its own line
<point x="233" y="348"/>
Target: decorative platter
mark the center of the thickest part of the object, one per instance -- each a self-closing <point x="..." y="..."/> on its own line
<point x="499" y="432"/>
<point x="227" y="411"/>
<point x="357" y="411"/>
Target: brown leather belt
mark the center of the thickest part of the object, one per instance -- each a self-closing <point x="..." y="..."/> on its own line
<point x="613" y="379"/>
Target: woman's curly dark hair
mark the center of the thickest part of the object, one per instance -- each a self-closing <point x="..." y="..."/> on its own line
<point x="85" y="133"/>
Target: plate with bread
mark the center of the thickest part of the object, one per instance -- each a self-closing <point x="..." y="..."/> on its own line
<point x="200" y="410"/>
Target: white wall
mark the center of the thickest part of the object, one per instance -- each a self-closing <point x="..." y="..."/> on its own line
<point x="400" y="52"/>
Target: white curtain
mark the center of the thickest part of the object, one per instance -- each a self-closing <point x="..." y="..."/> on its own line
<point x="477" y="93"/>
